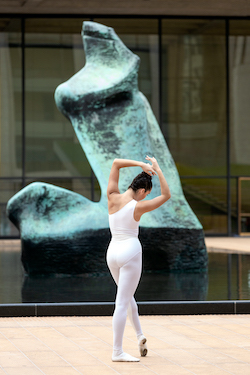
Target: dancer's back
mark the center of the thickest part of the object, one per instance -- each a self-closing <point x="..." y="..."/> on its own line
<point x="122" y="223"/>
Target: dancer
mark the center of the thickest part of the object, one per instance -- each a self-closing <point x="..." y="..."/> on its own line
<point x="124" y="255"/>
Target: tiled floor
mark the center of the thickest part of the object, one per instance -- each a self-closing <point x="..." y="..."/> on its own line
<point x="178" y="345"/>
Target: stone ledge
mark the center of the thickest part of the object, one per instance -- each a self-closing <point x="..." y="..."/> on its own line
<point x="107" y="308"/>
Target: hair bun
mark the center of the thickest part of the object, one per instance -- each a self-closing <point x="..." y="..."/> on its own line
<point x="142" y="181"/>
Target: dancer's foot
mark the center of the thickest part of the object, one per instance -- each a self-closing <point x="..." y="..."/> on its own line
<point x="124" y="357"/>
<point x="142" y="346"/>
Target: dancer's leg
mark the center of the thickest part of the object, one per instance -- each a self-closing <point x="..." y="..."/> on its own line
<point x="134" y="317"/>
<point x="129" y="277"/>
<point x="132" y="308"/>
<point x="132" y="313"/>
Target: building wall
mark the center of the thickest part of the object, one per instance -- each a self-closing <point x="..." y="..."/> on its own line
<point x="129" y="7"/>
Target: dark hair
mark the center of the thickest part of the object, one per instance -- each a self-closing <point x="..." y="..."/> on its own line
<point x="142" y="181"/>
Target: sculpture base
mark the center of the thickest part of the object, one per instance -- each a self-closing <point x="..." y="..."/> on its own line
<point x="164" y="249"/>
<point x="171" y="249"/>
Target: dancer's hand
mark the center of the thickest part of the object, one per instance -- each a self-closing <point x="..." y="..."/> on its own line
<point x="154" y="162"/>
<point x="148" y="168"/>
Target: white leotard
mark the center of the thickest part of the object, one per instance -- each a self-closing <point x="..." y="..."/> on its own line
<point x="124" y="259"/>
<point x="124" y="229"/>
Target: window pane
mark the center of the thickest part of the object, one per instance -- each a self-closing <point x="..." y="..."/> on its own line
<point x="8" y="187"/>
<point x="141" y="37"/>
<point x="194" y="94"/>
<point x="239" y="49"/>
<point x="244" y="205"/>
<point x="53" y="53"/>
<point x="234" y="203"/>
<point x="10" y="98"/>
<point x="208" y="199"/>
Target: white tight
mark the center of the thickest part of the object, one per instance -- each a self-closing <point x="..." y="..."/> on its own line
<point x="127" y="277"/>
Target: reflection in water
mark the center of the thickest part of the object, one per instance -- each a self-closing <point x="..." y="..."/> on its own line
<point x="153" y="287"/>
<point x="11" y="275"/>
<point x="227" y="278"/>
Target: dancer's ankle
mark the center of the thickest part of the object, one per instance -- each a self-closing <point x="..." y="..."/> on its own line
<point x="117" y="353"/>
<point x="140" y="337"/>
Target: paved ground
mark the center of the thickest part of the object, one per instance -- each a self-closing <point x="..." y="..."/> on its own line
<point x="236" y="245"/>
<point x="178" y="345"/>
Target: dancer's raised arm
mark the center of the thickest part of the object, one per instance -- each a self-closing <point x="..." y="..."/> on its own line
<point x="123" y="163"/>
<point x="152" y="204"/>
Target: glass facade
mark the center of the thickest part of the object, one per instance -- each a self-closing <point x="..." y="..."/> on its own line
<point x="195" y="73"/>
<point x="239" y="60"/>
<point x="194" y="113"/>
<point x="194" y="92"/>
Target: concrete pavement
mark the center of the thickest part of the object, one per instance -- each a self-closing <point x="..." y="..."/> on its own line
<point x="178" y="345"/>
<point x="233" y="245"/>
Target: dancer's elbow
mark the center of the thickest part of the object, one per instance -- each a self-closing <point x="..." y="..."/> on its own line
<point x="116" y="163"/>
<point x="167" y="196"/>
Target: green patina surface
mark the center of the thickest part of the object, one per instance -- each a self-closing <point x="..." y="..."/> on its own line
<point x="111" y="119"/>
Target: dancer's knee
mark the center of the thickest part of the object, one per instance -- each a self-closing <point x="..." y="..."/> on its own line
<point x="133" y="308"/>
<point x="121" y="306"/>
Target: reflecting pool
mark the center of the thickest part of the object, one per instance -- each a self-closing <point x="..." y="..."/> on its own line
<point x="227" y="278"/>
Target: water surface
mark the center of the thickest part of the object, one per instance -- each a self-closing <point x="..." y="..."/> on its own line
<point x="227" y="278"/>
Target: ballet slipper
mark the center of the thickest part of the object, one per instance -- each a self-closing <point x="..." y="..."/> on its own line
<point x="124" y="357"/>
<point x="142" y="346"/>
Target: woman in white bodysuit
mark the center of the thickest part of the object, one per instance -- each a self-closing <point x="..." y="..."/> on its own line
<point x="124" y="255"/>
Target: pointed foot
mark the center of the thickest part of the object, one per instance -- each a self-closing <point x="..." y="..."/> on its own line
<point x="142" y="346"/>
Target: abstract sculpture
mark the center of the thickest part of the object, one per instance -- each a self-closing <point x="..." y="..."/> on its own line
<point x="63" y="232"/>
